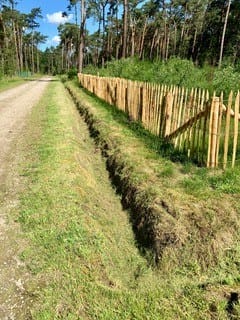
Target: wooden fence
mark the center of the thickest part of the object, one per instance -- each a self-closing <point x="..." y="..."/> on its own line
<point x="204" y="127"/>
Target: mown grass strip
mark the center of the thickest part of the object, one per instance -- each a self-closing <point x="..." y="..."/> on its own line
<point x="82" y="249"/>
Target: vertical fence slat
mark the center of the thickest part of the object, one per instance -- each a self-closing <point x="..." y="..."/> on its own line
<point x="193" y="128"/>
<point x="181" y="94"/>
<point x="201" y="98"/>
<point x="235" y="134"/>
<point x="219" y="129"/>
<point x="158" y="109"/>
<point x="227" y="130"/>
<point x="213" y="132"/>
<point x="210" y="132"/>
<point x="168" y="112"/>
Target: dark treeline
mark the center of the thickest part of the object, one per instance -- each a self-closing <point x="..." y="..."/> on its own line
<point x="204" y="31"/>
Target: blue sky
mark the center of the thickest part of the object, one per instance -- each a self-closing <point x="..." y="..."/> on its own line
<point x="51" y="12"/>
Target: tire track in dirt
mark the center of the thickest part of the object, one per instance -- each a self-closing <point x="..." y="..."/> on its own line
<point x="15" y="106"/>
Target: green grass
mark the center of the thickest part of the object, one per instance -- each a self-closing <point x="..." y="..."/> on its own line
<point x="11" y="82"/>
<point x="81" y="248"/>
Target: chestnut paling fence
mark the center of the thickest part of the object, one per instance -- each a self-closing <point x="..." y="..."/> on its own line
<point x="203" y="126"/>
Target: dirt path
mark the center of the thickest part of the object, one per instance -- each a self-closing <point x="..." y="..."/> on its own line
<point x="15" y="105"/>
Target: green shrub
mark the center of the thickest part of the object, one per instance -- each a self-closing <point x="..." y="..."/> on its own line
<point x="72" y="73"/>
<point x="175" y="71"/>
<point x="91" y="69"/>
<point x="64" y="78"/>
<point x="226" y="79"/>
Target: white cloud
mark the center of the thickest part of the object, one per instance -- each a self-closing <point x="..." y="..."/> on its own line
<point x="57" y="18"/>
<point x="56" y="39"/>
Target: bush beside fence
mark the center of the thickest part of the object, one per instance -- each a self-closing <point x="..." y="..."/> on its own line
<point x="205" y="128"/>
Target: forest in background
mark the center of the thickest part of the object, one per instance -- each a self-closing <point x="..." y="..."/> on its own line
<point x="203" y="31"/>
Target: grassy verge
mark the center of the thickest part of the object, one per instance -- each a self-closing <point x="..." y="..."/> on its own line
<point x="82" y="251"/>
<point x="8" y="83"/>
<point x="11" y="82"/>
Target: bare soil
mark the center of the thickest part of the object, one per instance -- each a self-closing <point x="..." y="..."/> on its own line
<point x="15" y="106"/>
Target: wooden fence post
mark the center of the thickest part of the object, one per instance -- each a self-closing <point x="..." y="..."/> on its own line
<point x="235" y="134"/>
<point x="140" y="107"/>
<point x="220" y="113"/>
<point x="168" y="113"/>
<point x="213" y="133"/>
<point x="126" y="109"/>
<point x="227" y="130"/>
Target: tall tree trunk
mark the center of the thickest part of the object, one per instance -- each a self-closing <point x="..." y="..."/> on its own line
<point x="175" y="39"/>
<point x="30" y="57"/>
<point x="158" y="44"/>
<point x="181" y="48"/>
<point x="51" y="63"/>
<point x="26" y="57"/>
<point x="223" y="34"/>
<point x="142" y="40"/>
<point x="32" y="53"/>
<point x="125" y="28"/>
<point x="167" y="46"/>
<point x="153" y="43"/>
<point x="194" y="42"/>
<point x="82" y="29"/>
<point x="133" y="42"/>
<point x="108" y="44"/>
<point x="16" y="46"/>
<point x="38" y="68"/>
<point x="20" y="49"/>
<point x="103" y="28"/>
<point x="2" y="33"/>
<point x="62" y="60"/>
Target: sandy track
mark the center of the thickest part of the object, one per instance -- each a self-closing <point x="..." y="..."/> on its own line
<point x="15" y="105"/>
